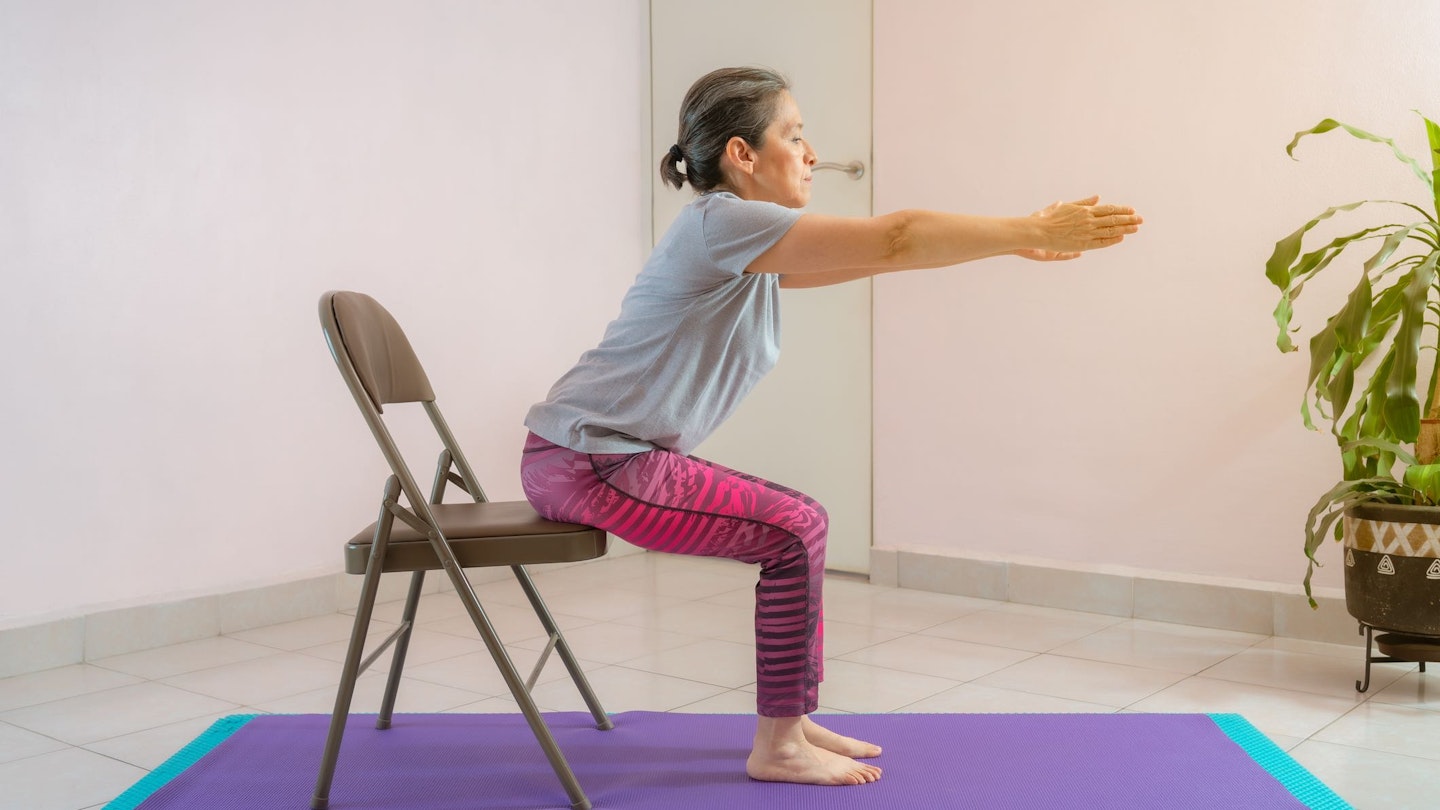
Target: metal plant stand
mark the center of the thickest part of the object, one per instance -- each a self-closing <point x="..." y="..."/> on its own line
<point x="1396" y="648"/>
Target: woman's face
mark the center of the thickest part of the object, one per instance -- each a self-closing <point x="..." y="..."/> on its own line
<point x="783" y="161"/>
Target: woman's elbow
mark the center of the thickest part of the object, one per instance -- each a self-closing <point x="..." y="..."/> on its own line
<point x="898" y="245"/>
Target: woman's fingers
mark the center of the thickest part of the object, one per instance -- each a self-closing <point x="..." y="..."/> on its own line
<point x="1087" y="225"/>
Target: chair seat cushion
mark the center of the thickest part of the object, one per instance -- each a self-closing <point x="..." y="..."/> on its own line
<point x="481" y="534"/>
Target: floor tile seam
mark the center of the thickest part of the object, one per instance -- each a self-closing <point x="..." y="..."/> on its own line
<point x="1130" y="707"/>
<point x="1366" y="697"/>
<point x="70" y="748"/>
<point x="1184" y="637"/>
<point x="989" y="643"/>
<point x="1363" y="699"/>
<point x="1085" y="628"/>
<point x="954" y="682"/>
<point x="233" y="637"/>
<point x="86" y="747"/>
<point x="678" y="678"/>
<point x="77" y="695"/>
<point x="61" y="743"/>
<point x="1181" y="673"/>
<point x="1366" y="703"/>
<point x="658" y="628"/>
<point x="349" y="618"/>
<point x="431" y="681"/>
<point x="1228" y="658"/>
<point x="166" y="680"/>
<point x="1030" y="656"/>
<point x="108" y="668"/>
<point x="1418" y="760"/>
<point x="1011" y="691"/>
<point x="474" y="634"/>
<point x="678" y="709"/>
<point x="903" y="635"/>
<point x="907" y="627"/>
<point x="1076" y="657"/>
<point x="629" y="661"/>
<point x="382" y="662"/>
<point x="1375" y="700"/>
<point x="587" y="666"/>
<point x="1299" y="692"/>
<point x="231" y="707"/>
<point x="1022" y="691"/>
<point x="236" y="704"/>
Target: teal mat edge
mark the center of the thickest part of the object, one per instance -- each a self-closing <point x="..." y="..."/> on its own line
<point x="1301" y="783"/>
<point x="218" y="732"/>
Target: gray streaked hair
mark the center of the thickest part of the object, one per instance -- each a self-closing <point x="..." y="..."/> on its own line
<point x="721" y="105"/>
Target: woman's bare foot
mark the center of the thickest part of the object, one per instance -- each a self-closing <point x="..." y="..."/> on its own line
<point x="783" y="754"/>
<point x="847" y="746"/>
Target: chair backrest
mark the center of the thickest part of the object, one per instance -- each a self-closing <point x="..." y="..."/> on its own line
<point x="381" y="368"/>
<point x="378" y="350"/>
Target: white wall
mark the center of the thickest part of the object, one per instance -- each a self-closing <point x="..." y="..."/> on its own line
<point x="180" y="181"/>
<point x="1130" y="408"/>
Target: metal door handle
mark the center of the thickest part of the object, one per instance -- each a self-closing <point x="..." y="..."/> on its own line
<point x="855" y="169"/>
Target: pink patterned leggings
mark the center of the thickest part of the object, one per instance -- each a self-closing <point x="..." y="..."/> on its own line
<point x="664" y="501"/>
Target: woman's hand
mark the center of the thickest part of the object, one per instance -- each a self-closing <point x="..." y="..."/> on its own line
<point x="1072" y="227"/>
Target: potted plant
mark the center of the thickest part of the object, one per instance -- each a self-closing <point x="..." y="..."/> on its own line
<point x="1369" y="365"/>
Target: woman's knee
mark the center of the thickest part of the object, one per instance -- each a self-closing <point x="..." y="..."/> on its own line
<point x="810" y="522"/>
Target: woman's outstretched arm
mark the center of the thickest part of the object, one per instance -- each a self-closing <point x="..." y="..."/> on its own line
<point x="821" y="250"/>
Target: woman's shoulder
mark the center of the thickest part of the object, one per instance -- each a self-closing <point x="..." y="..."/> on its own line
<point x="725" y="206"/>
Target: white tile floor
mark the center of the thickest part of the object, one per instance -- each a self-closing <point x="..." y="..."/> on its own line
<point x="669" y="633"/>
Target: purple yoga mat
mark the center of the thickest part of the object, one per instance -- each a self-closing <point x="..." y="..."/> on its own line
<point x="664" y="761"/>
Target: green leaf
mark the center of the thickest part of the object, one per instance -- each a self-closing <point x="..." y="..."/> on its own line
<point x="1379" y="444"/>
<point x="1284" y="311"/>
<point x="1402" y="406"/>
<point x="1433" y="131"/>
<point x="1425" y="479"/>
<point x="1316" y="260"/>
<point x="1373" y="423"/>
<point x="1353" y="321"/>
<point x="1342" y="382"/>
<point x="1330" y="123"/>
<point x="1331" y="505"/>
<point x="1387" y="248"/>
<point x="1277" y="268"/>
<point x="1350" y="430"/>
<point x="1324" y="347"/>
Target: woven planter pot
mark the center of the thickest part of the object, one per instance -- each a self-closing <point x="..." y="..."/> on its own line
<point x="1392" y="567"/>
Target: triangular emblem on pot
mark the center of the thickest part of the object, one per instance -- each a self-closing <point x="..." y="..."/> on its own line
<point x="1434" y="572"/>
<point x="1350" y="558"/>
<point x="1386" y="566"/>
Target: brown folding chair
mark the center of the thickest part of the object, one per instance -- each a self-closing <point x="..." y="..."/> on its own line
<point x="380" y="367"/>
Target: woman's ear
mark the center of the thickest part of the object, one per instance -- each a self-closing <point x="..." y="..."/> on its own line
<point x="739" y="156"/>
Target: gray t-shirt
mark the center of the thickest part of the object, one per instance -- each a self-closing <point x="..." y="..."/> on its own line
<point x="694" y="335"/>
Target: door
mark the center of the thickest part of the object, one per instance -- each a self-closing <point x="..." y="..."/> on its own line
<point x="807" y="424"/>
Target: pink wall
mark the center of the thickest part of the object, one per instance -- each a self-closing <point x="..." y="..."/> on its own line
<point x="1129" y="408"/>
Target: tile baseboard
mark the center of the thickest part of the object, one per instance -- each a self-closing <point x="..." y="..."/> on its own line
<point x="117" y="631"/>
<point x="1271" y="609"/>
<point x="104" y="633"/>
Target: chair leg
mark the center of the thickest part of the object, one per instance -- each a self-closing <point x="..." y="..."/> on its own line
<point x="578" y="801"/>
<point x="402" y="644"/>
<point x="351" y="669"/>
<point x="348" y="675"/>
<point x="602" y="720"/>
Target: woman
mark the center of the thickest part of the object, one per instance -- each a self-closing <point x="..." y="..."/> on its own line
<point x="610" y="445"/>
